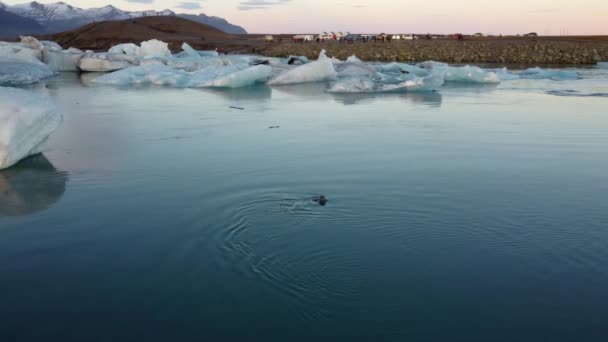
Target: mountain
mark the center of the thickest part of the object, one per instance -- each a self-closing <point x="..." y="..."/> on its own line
<point x="217" y="22"/>
<point x="59" y="16"/>
<point x="170" y="29"/>
<point x="13" y="25"/>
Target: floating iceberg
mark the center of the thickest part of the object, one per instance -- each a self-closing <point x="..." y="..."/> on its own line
<point x="154" y="48"/>
<point x="26" y="121"/>
<point x="234" y="76"/>
<point x="469" y="74"/>
<point x="129" y="49"/>
<point x="105" y="62"/>
<point x="19" y="51"/>
<point x="317" y="71"/>
<point x="19" y="72"/>
<point x="62" y="60"/>
<point x="403" y="68"/>
<point x="158" y="74"/>
<point x="361" y="85"/>
<point x="555" y="75"/>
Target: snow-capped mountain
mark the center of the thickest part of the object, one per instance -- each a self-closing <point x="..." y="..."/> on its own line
<point x="12" y="25"/>
<point x="59" y="16"/>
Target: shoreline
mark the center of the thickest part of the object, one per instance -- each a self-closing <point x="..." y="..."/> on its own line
<point x="541" y="51"/>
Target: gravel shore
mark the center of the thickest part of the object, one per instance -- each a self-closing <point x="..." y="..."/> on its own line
<point x="540" y="51"/>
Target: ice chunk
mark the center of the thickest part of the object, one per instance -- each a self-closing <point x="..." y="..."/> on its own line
<point x="432" y="65"/>
<point x="18" y="72"/>
<point x="555" y="75"/>
<point x="362" y="85"/>
<point x="18" y="51"/>
<point x="354" y="67"/>
<point x="235" y="77"/>
<point x="105" y="62"/>
<point x="26" y="121"/>
<point x="190" y="52"/>
<point x="31" y="42"/>
<point x="208" y="53"/>
<point x="353" y="85"/>
<point x="505" y="75"/>
<point x="62" y="60"/>
<point x="317" y="71"/>
<point x="469" y="74"/>
<point x="154" y="48"/>
<point x="403" y="68"/>
<point x="129" y="49"/>
<point x="158" y="74"/>
<point x="602" y="65"/>
<point x="49" y="45"/>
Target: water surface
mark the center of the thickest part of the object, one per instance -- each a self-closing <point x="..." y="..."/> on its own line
<point x="477" y="213"/>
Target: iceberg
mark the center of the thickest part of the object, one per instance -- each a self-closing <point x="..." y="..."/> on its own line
<point x="359" y="85"/>
<point x="432" y="65"/>
<point x="26" y="121"/>
<point x="154" y="48"/>
<point x="403" y="68"/>
<point x="18" y="51"/>
<point x="14" y="72"/>
<point x="190" y="52"/>
<point x="129" y="49"/>
<point x="554" y="75"/>
<point x="242" y="77"/>
<point x="469" y="74"/>
<point x="62" y="60"/>
<point x="317" y="71"/>
<point x="234" y="76"/>
<point x="105" y="62"/>
<point x="158" y="74"/>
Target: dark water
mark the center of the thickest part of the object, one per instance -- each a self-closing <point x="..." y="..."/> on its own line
<point x="474" y="214"/>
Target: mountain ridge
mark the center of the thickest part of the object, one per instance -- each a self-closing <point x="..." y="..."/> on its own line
<point x="60" y="16"/>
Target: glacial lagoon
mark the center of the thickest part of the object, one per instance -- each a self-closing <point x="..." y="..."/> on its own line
<point x="478" y="212"/>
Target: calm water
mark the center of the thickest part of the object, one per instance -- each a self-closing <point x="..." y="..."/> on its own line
<point x="472" y="214"/>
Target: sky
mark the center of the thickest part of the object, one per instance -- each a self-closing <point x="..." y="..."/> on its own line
<point x="547" y="17"/>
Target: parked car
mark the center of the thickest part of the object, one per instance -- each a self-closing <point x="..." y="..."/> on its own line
<point x="478" y="35"/>
<point x="303" y="38"/>
<point x="531" y="34"/>
<point x="326" y="36"/>
<point x="409" y="37"/>
<point x="396" y="37"/>
<point x="353" y="37"/>
<point x="269" y="39"/>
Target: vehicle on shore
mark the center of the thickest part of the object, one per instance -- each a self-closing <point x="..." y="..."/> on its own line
<point x="268" y="39"/>
<point x="303" y="38"/>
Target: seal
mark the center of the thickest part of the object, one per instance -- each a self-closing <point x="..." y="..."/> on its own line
<point x="322" y="200"/>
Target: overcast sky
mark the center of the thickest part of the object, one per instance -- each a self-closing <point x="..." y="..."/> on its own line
<point x="402" y="16"/>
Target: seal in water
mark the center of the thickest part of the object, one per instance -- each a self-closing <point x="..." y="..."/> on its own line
<point x="322" y="200"/>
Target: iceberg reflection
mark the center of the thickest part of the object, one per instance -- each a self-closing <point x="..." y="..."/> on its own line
<point x="30" y="186"/>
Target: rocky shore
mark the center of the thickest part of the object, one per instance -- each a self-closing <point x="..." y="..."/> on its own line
<point x="539" y="51"/>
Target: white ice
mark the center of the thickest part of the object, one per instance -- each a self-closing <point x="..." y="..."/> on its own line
<point x="317" y="71"/>
<point x="62" y="60"/>
<point x="27" y="119"/>
<point x="105" y="62"/>
<point x="468" y="74"/>
<point x="602" y="65"/>
<point x="555" y="75"/>
<point x="233" y="76"/>
<point x="154" y="48"/>
<point x="19" y="72"/>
